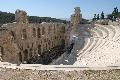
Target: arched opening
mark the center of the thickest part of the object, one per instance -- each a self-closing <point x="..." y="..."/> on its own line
<point x="34" y="32"/>
<point x="25" y="54"/>
<point x="13" y="35"/>
<point x="63" y="43"/>
<point x="39" y="49"/>
<point x="46" y="47"/>
<point x="24" y="34"/>
<point x="49" y="44"/>
<point x="30" y="54"/>
<point x="54" y="29"/>
<point x="1" y="50"/>
<point x="63" y="29"/>
<point x="43" y="30"/>
<point x="38" y="33"/>
<point x="20" y="57"/>
<point x="49" y="29"/>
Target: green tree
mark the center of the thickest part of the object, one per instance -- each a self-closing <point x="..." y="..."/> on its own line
<point x="102" y="15"/>
<point x="98" y="17"/>
<point x="10" y="17"/>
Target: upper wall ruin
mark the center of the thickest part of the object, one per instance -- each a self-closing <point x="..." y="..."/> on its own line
<point x="21" y="16"/>
<point x="22" y="40"/>
<point x="76" y="17"/>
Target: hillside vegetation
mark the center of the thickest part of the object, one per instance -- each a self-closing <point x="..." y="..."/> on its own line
<point x="10" y="17"/>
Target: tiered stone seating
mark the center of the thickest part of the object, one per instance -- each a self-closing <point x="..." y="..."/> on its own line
<point x="117" y="30"/>
<point x="110" y="31"/>
<point x="101" y="42"/>
<point x="98" y="32"/>
<point x="89" y="46"/>
<point x="104" y="50"/>
<point x="104" y="31"/>
<point x="96" y="41"/>
<point x="117" y="37"/>
<point x="99" y="50"/>
<point x="106" y="55"/>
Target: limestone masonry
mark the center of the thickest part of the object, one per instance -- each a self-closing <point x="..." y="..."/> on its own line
<point x="21" y="40"/>
<point x="94" y="54"/>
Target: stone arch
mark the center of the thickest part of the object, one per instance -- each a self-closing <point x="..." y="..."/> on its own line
<point x="24" y="34"/>
<point x="46" y="47"/>
<point x="54" y="29"/>
<point x="39" y="49"/>
<point x="43" y="30"/>
<point x="20" y="57"/>
<point x="52" y="44"/>
<point x="30" y="54"/>
<point x="63" y="29"/>
<point x="1" y="50"/>
<point x="34" y="32"/>
<point x="49" y="43"/>
<point x="38" y="33"/>
<point x="12" y="33"/>
<point x="25" y="52"/>
<point x="49" y="29"/>
<point x="63" y="43"/>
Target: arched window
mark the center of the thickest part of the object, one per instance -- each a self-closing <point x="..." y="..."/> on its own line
<point x="49" y="44"/>
<point x="39" y="49"/>
<point x="63" y="29"/>
<point x="30" y="52"/>
<point x="43" y="30"/>
<point x="20" y="57"/>
<point x="13" y="35"/>
<point x="24" y="34"/>
<point x="49" y="29"/>
<point x="46" y="47"/>
<point x="25" y="54"/>
<point x="54" y="29"/>
<point x="34" y="32"/>
<point x="1" y="50"/>
<point x="63" y="43"/>
<point x="38" y="33"/>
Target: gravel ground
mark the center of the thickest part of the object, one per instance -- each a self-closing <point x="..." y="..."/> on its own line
<point x="10" y="74"/>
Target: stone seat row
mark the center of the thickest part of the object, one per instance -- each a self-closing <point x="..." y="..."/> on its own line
<point x="104" y="46"/>
<point x="104" y="56"/>
<point x="89" y="46"/>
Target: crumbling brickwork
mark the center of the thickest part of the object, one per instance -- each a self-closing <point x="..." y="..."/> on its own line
<point x="21" y="40"/>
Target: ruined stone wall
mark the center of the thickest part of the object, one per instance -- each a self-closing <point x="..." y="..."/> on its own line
<point x="76" y="18"/>
<point x="21" y="16"/>
<point x="20" y="41"/>
<point x="7" y="45"/>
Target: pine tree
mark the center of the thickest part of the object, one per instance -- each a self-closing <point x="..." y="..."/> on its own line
<point x="98" y="17"/>
<point x="94" y="17"/>
<point x="102" y="15"/>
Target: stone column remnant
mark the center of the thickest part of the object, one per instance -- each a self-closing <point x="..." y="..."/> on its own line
<point x="21" y="16"/>
<point x="76" y="17"/>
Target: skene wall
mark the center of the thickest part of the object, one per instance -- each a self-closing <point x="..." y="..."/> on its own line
<point x="24" y="42"/>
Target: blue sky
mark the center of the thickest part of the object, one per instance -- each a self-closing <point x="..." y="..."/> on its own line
<point x="59" y="8"/>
